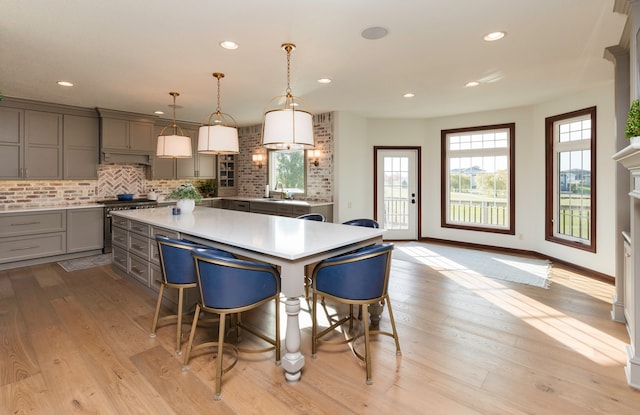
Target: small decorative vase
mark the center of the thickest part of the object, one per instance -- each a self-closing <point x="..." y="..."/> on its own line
<point x="186" y="205"/>
<point x="634" y="140"/>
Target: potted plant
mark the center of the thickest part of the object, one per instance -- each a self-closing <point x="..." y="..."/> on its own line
<point x="186" y="195"/>
<point x="632" y="130"/>
<point x="207" y="188"/>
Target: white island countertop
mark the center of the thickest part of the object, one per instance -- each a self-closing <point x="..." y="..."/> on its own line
<point x="279" y="236"/>
<point x="288" y="243"/>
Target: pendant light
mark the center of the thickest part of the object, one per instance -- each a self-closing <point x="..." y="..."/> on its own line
<point x="218" y="133"/>
<point x="287" y="124"/>
<point x="176" y="145"/>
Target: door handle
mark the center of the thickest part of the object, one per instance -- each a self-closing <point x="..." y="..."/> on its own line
<point x="413" y="201"/>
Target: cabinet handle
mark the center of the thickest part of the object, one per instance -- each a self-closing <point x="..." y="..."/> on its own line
<point x="136" y="228"/>
<point x="120" y="260"/>
<point x="26" y="223"/>
<point x="136" y="270"/>
<point x="138" y="247"/>
<point x="25" y="248"/>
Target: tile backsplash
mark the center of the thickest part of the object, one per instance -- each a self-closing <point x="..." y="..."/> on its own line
<point x="113" y="179"/>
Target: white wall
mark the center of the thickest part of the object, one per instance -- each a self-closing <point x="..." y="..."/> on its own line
<point x="355" y="138"/>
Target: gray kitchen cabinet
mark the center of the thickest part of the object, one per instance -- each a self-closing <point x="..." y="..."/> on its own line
<point x="200" y="166"/>
<point x="126" y="133"/>
<point x="30" y="144"/>
<point x="161" y="168"/>
<point x="84" y="229"/>
<point x="81" y="139"/>
<point x="11" y="143"/>
<point x="47" y="141"/>
<point x="227" y="175"/>
<point x="32" y="235"/>
<point x="43" y="145"/>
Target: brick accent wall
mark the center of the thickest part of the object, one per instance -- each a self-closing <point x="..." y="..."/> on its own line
<point x="252" y="179"/>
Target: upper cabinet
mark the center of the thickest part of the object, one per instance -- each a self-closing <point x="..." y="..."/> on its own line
<point x="199" y="166"/>
<point x="227" y="175"/>
<point x="35" y="138"/>
<point x="128" y="134"/>
<point x="81" y="138"/>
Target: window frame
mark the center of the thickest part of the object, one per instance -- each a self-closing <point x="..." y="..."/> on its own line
<point x="550" y="179"/>
<point x="271" y="157"/>
<point x="444" y="183"/>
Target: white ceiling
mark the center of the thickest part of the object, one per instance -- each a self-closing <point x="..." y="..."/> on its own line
<point x="129" y="55"/>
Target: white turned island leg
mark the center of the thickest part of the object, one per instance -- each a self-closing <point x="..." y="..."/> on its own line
<point x="293" y="360"/>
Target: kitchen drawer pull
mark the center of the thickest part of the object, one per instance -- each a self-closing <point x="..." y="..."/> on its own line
<point x="120" y="260"/>
<point x="137" y="228"/>
<point x="25" y="248"/>
<point x="137" y="247"/>
<point x="137" y="271"/>
<point x="26" y="223"/>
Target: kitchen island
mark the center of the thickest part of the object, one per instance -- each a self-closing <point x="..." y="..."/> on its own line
<point x="288" y="243"/>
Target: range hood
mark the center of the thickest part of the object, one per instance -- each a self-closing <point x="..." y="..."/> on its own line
<point x="112" y="157"/>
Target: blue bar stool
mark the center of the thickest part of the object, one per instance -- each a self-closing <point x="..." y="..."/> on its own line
<point x="356" y="278"/>
<point x="318" y="217"/>
<point x="232" y="286"/>
<point x="178" y="272"/>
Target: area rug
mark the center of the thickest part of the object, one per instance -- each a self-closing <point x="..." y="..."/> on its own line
<point x="85" y="262"/>
<point x="505" y="267"/>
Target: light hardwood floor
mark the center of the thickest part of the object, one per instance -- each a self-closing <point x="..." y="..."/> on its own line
<point x="78" y="342"/>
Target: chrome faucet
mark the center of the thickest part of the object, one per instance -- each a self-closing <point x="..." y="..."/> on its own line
<point x="281" y="186"/>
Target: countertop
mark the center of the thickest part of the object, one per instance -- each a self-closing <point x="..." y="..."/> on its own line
<point x="276" y="200"/>
<point x="62" y="206"/>
<point x="278" y="236"/>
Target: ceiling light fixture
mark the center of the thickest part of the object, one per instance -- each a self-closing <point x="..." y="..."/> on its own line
<point x="175" y="145"/>
<point x="65" y="83"/>
<point x="374" y="33"/>
<point x="409" y="95"/>
<point x="490" y="37"/>
<point x="287" y="124"/>
<point x="229" y="44"/>
<point x="324" y="81"/>
<point x="218" y="133"/>
<point x="472" y="83"/>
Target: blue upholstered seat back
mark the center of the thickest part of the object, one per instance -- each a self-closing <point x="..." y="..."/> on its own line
<point x="367" y="223"/>
<point x="313" y="216"/>
<point x="179" y="267"/>
<point x="358" y="275"/>
<point x="233" y="283"/>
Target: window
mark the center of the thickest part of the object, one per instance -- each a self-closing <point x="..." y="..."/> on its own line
<point x="478" y="186"/>
<point x="570" y="179"/>
<point x="287" y="171"/>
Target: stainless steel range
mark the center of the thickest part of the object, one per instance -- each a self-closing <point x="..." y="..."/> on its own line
<point x="111" y="205"/>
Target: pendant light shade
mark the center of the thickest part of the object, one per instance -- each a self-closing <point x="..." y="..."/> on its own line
<point x="218" y="133"/>
<point x="175" y="145"/>
<point x="287" y="123"/>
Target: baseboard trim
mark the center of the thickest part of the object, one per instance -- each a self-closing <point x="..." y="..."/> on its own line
<point x="588" y="272"/>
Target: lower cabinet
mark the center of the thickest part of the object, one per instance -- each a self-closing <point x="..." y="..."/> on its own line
<point x="135" y="253"/>
<point x="43" y="236"/>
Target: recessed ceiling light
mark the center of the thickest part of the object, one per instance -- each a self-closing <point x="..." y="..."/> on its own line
<point x="373" y="33"/>
<point x="65" y="83"/>
<point x="490" y="37"/>
<point x="409" y="95"/>
<point x="472" y="83"/>
<point x="159" y="112"/>
<point x="229" y="44"/>
<point x="324" y="81"/>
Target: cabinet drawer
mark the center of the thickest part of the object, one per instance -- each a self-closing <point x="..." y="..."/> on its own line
<point x="139" y="245"/>
<point x="35" y="246"/>
<point x="120" y="258"/>
<point x="140" y="228"/>
<point x="32" y="223"/>
<point x="120" y="237"/>
<point x="119" y="222"/>
<point x="139" y="269"/>
<point x="157" y="231"/>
